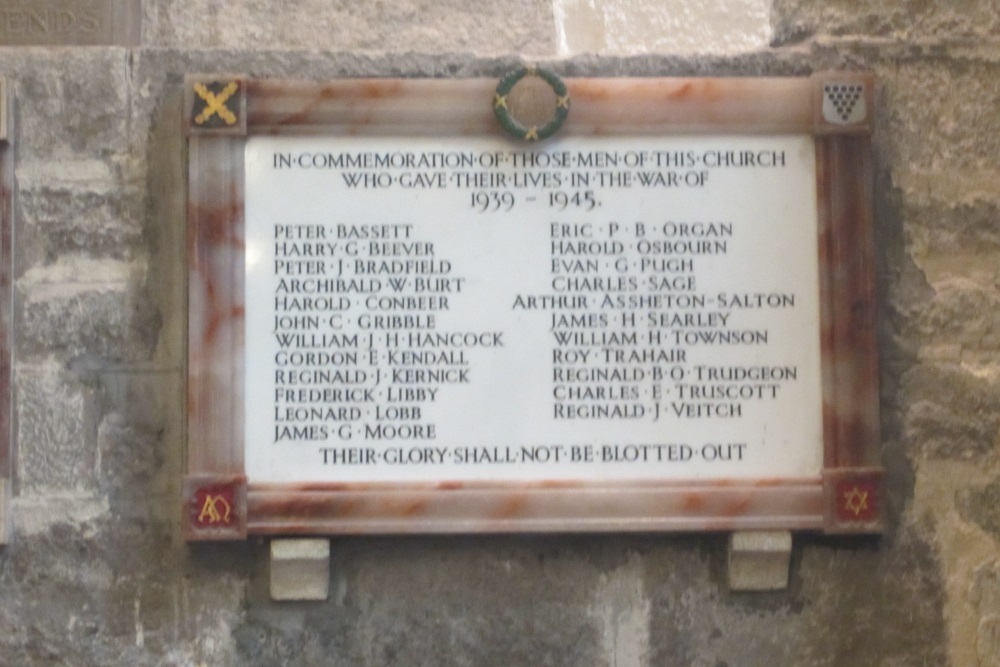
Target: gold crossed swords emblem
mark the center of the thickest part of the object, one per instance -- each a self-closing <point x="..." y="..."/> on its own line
<point x="216" y="104"/>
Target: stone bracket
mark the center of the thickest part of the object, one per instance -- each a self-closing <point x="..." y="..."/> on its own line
<point x="300" y="569"/>
<point x="759" y="560"/>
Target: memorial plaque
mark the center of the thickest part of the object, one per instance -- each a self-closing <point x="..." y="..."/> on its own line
<point x="69" y="22"/>
<point x="660" y="317"/>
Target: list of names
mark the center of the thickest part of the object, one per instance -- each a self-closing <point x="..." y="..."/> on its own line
<point x="589" y="308"/>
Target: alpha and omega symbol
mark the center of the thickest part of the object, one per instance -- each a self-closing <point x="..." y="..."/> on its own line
<point x="514" y="127"/>
<point x="212" y="103"/>
<point x="214" y="507"/>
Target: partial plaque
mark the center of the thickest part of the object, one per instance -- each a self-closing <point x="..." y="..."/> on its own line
<point x="404" y="320"/>
<point x="6" y="309"/>
<point x="69" y="22"/>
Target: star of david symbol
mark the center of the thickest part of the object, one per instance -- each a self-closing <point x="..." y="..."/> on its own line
<point x="212" y="100"/>
<point x="856" y="501"/>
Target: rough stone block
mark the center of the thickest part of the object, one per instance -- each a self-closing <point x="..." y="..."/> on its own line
<point x="300" y="569"/>
<point x="952" y="240"/>
<point x="931" y="125"/>
<point x="984" y="585"/>
<point x="949" y="411"/>
<point x="622" y="609"/>
<point x="70" y="103"/>
<point x="511" y="600"/>
<point x="988" y="640"/>
<point x="130" y="455"/>
<point x="54" y="453"/>
<point x="673" y="26"/>
<point x="758" y="561"/>
<point x="964" y="312"/>
<point x="799" y="19"/>
<point x="430" y="27"/>
<point x="83" y="306"/>
<point x="79" y="206"/>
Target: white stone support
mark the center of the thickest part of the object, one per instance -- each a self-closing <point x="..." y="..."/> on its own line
<point x="300" y="569"/>
<point x="759" y="560"/>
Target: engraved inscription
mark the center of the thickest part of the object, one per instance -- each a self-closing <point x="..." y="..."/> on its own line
<point x="68" y="22"/>
<point x="459" y="309"/>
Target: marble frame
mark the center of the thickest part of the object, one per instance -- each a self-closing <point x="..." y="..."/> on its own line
<point x="220" y="503"/>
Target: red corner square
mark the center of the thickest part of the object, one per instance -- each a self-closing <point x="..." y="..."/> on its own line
<point x="857" y="500"/>
<point x="214" y="507"/>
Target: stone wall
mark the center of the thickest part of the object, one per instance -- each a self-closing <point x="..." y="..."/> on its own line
<point x="97" y="573"/>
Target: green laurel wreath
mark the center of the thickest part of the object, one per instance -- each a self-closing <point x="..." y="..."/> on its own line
<point x="511" y="124"/>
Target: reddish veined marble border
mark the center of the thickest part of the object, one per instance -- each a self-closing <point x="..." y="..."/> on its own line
<point x="220" y="503"/>
<point x="6" y="310"/>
